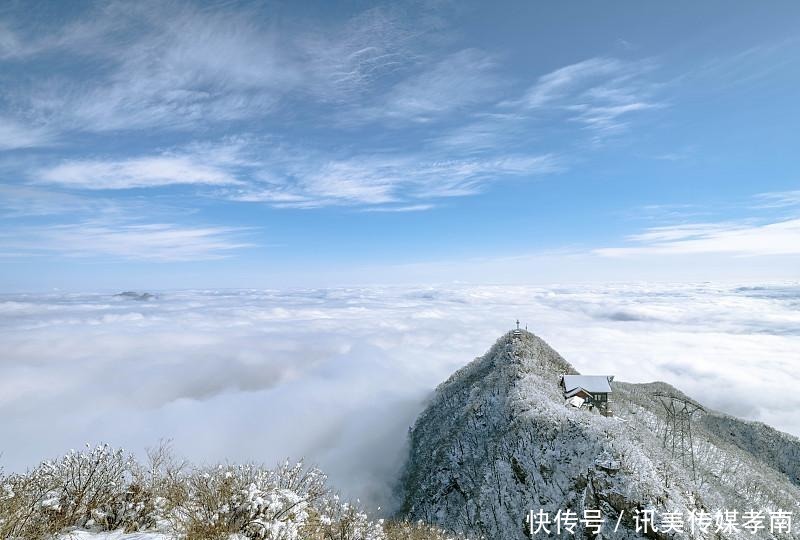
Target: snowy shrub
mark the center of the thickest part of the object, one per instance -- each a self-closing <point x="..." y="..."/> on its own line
<point x="92" y="489"/>
<point x="343" y="521"/>
<point x="163" y="479"/>
<point x="101" y="489"/>
<point x="407" y="530"/>
<point x="248" y="500"/>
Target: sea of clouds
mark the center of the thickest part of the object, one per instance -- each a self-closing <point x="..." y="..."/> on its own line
<point x="337" y="376"/>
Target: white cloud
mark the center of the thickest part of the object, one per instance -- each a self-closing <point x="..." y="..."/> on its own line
<point x="405" y="208"/>
<point x="188" y="66"/>
<point x="561" y="83"/>
<point x="209" y="164"/>
<point x="122" y="240"/>
<point x="15" y="134"/>
<point x="600" y="93"/>
<point x="779" y="199"/>
<point x="176" y="66"/>
<point x="486" y="133"/>
<point x="346" y="62"/>
<point x="136" y="173"/>
<point x="746" y="239"/>
<point x="304" y="180"/>
<point x="608" y="118"/>
<point x="338" y="375"/>
<point x="461" y="79"/>
<point x="22" y="201"/>
<point x="258" y="170"/>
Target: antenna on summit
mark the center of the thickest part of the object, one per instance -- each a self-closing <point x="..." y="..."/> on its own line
<point x="517" y="332"/>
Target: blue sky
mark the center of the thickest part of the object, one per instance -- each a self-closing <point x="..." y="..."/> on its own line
<point x="173" y="144"/>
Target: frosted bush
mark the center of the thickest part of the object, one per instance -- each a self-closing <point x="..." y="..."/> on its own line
<point x="90" y="489"/>
<point x="250" y="500"/>
<point x="102" y="489"/>
<point x="337" y="519"/>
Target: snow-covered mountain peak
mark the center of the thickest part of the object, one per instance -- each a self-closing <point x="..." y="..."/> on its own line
<point x="513" y="356"/>
<point x="497" y="441"/>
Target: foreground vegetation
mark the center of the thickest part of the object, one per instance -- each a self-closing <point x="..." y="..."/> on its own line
<point x="104" y="489"/>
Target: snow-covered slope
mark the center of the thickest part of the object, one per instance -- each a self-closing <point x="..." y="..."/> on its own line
<point x="497" y="441"/>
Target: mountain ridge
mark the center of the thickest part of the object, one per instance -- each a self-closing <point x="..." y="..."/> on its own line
<point x="496" y="442"/>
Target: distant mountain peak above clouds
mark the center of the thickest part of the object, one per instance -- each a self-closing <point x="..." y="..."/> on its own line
<point x="133" y="295"/>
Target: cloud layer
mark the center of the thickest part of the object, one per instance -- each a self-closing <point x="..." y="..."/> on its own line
<point x="338" y="375"/>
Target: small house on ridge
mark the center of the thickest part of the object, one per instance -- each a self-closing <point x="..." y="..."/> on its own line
<point x="590" y="390"/>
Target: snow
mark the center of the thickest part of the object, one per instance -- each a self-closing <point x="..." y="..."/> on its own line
<point x="576" y="401"/>
<point x="590" y="383"/>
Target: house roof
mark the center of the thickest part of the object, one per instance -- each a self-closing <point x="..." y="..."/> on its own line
<point x="590" y="383"/>
<point x="574" y="392"/>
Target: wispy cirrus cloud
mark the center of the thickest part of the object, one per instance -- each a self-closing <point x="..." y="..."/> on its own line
<point x="16" y="134"/>
<point x="459" y="80"/>
<point x="377" y="180"/>
<point x="346" y="62"/>
<point x="23" y="201"/>
<point x="485" y="133"/>
<point x="602" y="95"/>
<point x="733" y="238"/>
<point x="123" y="240"/>
<point x="608" y="118"/>
<point x="599" y="93"/>
<point x="749" y="66"/>
<point x="98" y="31"/>
<point x="209" y="164"/>
<point x="403" y="208"/>
<point x="261" y="170"/>
<point x="139" y="172"/>
<point x="561" y="83"/>
<point x="778" y="199"/>
<point x="177" y="66"/>
<point x="189" y="66"/>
